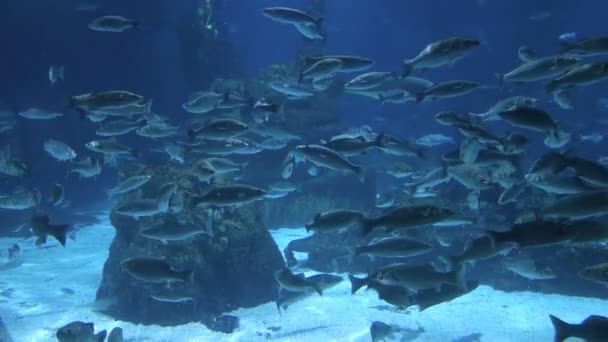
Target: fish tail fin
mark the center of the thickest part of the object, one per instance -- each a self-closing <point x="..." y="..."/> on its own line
<point x="382" y="99"/>
<point x="318" y="289"/>
<point x="300" y="77"/>
<point x="562" y="329"/>
<point x="356" y="283"/>
<point x="148" y="107"/>
<point x="420" y="97"/>
<point x="61" y="72"/>
<point x="380" y="139"/>
<point x="279" y="307"/>
<point x="501" y="81"/>
<point x="136" y="25"/>
<point x="367" y="225"/>
<point x="551" y="87"/>
<point x="319" y="22"/>
<point x="60" y="232"/>
<point x="406" y="69"/>
<point x="460" y="273"/>
<point x="101" y="336"/>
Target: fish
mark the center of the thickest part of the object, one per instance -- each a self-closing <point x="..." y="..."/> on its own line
<point x="223" y="165"/>
<point x="453" y="119"/>
<point x="321" y="69"/>
<point x="323" y="281"/>
<point x="104" y="100"/>
<point x="291" y="90"/>
<point x="506" y="104"/>
<point x="42" y="228"/>
<point x="392" y="247"/>
<point x="149" y="206"/>
<point x="155" y="270"/>
<point x="204" y="103"/>
<point x="59" y="150"/>
<point x="526" y="54"/>
<point x="56" y="73"/>
<point x="174" y="233"/>
<point x="369" y="80"/>
<point x="109" y="147"/>
<point x="176" y="152"/>
<point x="330" y="159"/>
<point x="113" y="23"/>
<point x="57" y="195"/>
<point x="273" y="144"/>
<point x="117" y="127"/>
<point x="35" y="113"/>
<point x="219" y="129"/>
<point x="552" y="163"/>
<point x="558" y="184"/>
<point x="447" y="89"/>
<point x="86" y="168"/>
<point x="20" y="200"/>
<point x="80" y="332"/>
<point x="172" y="298"/>
<point x="582" y="75"/>
<point x="431" y="140"/>
<point x="478" y="249"/>
<point x="597" y="273"/>
<point x="589" y="171"/>
<point x="525" y="267"/>
<point x="295" y="282"/>
<point x="334" y="220"/>
<point x="563" y="99"/>
<point x="535" y="233"/>
<point x="592" y="329"/>
<point x="406" y="217"/>
<point x="585" y="47"/>
<point x="471" y="176"/>
<point x="395" y="146"/>
<point x="157" y="130"/>
<point x="542" y="69"/>
<point x="351" y="146"/>
<point x="413" y="278"/>
<point x="310" y="31"/>
<point x="230" y="195"/>
<point x="530" y="118"/>
<point x="578" y="206"/>
<point x="292" y="16"/>
<point x="127" y="185"/>
<point x="443" y="52"/>
<point x="349" y="63"/>
<point x="400" y="170"/>
<point x="127" y="111"/>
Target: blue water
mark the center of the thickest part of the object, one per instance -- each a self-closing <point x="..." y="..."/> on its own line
<point x="176" y="52"/>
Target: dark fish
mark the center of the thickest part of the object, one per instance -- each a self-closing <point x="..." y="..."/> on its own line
<point x="155" y="270"/>
<point x="295" y="282"/>
<point x="592" y="329"/>
<point x="80" y="332"/>
<point x="42" y="228"/>
<point x="407" y="217"/>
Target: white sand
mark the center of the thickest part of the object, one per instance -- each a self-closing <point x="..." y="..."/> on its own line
<point x="37" y="307"/>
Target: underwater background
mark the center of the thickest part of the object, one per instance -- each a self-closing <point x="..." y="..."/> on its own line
<point x="236" y="170"/>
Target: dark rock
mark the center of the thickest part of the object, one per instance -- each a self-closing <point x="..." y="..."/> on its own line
<point x="232" y="269"/>
<point x="224" y="323"/>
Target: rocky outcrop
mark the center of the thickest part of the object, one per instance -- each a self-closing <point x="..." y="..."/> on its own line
<point x="233" y="268"/>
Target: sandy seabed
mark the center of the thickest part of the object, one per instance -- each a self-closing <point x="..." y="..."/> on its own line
<point x="35" y="300"/>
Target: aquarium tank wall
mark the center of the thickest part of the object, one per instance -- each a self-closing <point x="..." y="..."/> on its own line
<point x="304" y="170"/>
